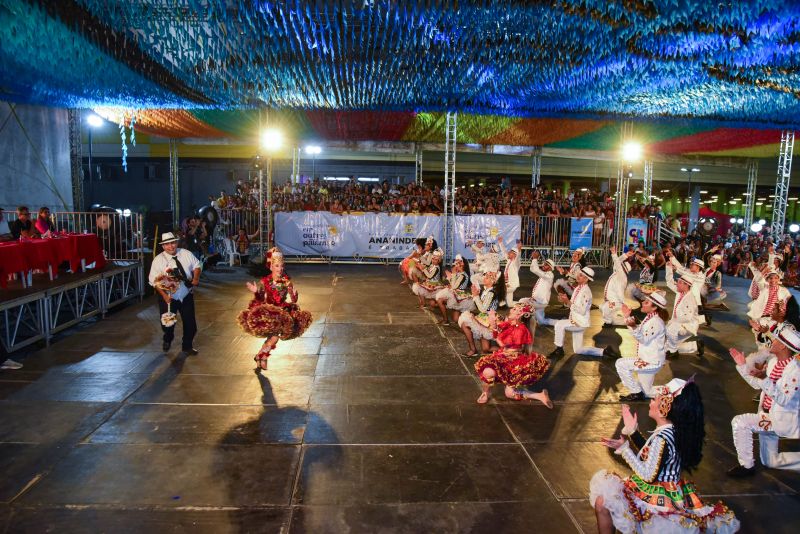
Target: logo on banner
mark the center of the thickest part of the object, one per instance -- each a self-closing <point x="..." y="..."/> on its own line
<point x="408" y="229"/>
<point x="636" y="231"/>
<point x="319" y="234"/>
<point x="580" y="232"/>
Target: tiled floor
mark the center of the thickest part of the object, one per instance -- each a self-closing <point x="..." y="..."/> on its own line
<point x="368" y="423"/>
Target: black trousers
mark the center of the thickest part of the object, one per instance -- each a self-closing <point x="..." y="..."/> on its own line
<point x="186" y="310"/>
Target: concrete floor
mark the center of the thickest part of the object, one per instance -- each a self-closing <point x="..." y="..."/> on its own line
<point x="368" y="423"/>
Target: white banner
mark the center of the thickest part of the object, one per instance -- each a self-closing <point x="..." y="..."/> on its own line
<point x="377" y="235"/>
<point x="486" y="227"/>
<point x="312" y="233"/>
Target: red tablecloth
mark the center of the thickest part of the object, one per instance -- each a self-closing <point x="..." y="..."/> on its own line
<point x="22" y="256"/>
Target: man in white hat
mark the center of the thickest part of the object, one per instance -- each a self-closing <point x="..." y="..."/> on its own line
<point x="580" y="304"/>
<point x="511" y="270"/>
<point x="695" y="274"/>
<point x="778" y="405"/>
<point x="771" y="295"/>
<point x="684" y="322"/>
<point x="183" y="265"/>
<point x="540" y="296"/>
<point x="478" y="267"/>
<point x="638" y="372"/>
<point x="614" y="292"/>
<point x="712" y="290"/>
<point x="567" y="284"/>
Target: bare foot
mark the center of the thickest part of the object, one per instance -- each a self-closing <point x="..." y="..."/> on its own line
<point x="510" y="392"/>
<point x="444" y="323"/>
<point x="484" y="398"/>
<point x="547" y="402"/>
<point x="471" y="353"/>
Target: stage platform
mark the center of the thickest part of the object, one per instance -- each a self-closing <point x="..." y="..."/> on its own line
<point x="36" y="313"/>
<point x="368" y="423"/>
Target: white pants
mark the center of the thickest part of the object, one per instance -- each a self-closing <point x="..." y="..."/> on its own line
<point x="538" y="310"/>
<point x="676" y="339"/>
<point x="510" y="295"/>
<point x="563" y="284"/>
<point x="611" y="312"/>
<point x="565" y="325"/>
<point x="747" y="424"/>
<point x="637" y="375"/>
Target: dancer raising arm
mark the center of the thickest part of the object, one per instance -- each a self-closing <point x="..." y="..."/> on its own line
<point x="511" y="270"/>
<point x="457" y="296"/>
<point x="273" y="312"/>
<point x="540" y="295"/>
<point x="656" y="499"/>
<point x="476" y="326"/>
<point x="614" y="292"/>
<point x="511" y="364"/>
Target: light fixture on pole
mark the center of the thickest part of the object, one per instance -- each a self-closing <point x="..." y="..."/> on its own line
<point x="94" y="121"/>
<point x="271" y="140"/>
<point x="631" y="152"/>
<point x="313" y="151"/>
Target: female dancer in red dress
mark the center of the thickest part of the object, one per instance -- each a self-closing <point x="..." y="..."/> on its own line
<point x="510" y="364"/>
<point x="273" y="313"/>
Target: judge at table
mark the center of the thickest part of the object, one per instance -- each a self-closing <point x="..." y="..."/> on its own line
<point x="23" y="226"/>
<point x="182" y="300"/>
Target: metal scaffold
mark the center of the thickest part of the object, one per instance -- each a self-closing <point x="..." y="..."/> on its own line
<point x="752" y="180"/>
<point x="76" y="158"/>
<point x="174" y="184"/>
<point x="449" y="185"/>
<point x="418" y="166"/>
<point x="647" y="182"/>
<point x="296" y="165"/>
<point x="624" y="175"/>
<point x="782" y="183"/>
<point x="536" y="166"/>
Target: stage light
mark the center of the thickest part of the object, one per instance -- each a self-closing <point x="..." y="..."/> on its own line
<point x="733" y="220"/>
<point x="271" y="139"/>
<point x="762" y="222"/>
<point x="95" y="121"/>
<point x="126" y="212"/>
<point x="755" y="227"/>
<point x="794" y="228"/>
<point x="741" y="221"/>
<point x="631" y="151"/>
<point x="313" y="150"/>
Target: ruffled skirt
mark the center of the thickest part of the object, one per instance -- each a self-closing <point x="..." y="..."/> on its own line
<point x="426" y="290"/>
<point x="660" y="508"/>
<point x="406" y="265"/>
<point x="478" y="323"/>
<point x="456" y="299"/>
<point x="267" y="320"/>
<point x="513" y="368"/>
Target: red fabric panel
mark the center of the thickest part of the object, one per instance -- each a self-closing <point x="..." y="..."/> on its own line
<point x="360" y="125"/>
<point x="714" y="140"/>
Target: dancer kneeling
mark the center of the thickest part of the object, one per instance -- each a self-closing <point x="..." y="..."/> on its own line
<point x="638" y="373"/>
<point x="456" y="296"/>
<point x="655" y="498"/>
<point x="510" y="364"/>
<point x="430" y="279"/>
<point x="273" y="313"/>
<point x="476" y="325"/>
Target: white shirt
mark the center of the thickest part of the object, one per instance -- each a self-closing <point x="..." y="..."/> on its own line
<point x="164" y="261"/>
<point x="541" y="290"/>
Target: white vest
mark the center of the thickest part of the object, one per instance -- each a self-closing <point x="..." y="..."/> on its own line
<point x="544" y="284"/>
<point x="785" y="396"/>
<point x="651" y="335"/>
<point x="580" y="305"/>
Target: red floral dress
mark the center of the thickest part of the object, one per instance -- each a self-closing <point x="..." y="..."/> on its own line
<point x="269" y="314"/>
<point x="511" y="366"/>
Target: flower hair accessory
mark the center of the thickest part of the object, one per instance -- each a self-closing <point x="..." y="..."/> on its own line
<point x="526" y="309"/>
<point x="429" y="241"/>
<point x="668" y="392"/>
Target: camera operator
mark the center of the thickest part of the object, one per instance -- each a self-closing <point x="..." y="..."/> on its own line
<point x="183" y="265"/>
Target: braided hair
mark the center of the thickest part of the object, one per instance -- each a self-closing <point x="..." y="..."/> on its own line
<point x="687" y="417"/>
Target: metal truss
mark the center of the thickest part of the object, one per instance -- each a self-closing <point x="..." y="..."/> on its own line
<point x="121" y="283"/>
<point x="76" y="158"/>
<point x="752" y="181"/>
<point x="450" y="185"/>
<point x="24" y="321"/>
<point x="296" y="165"/>
<point x="418" y="166"/>
<point x="782" y="183"/>
<point x="624" y="174"/>
<point x="536" y="166"/>
<point x="72" y="303"/>
<point x="174" y="184"/>
<point x="647" y="182"/>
